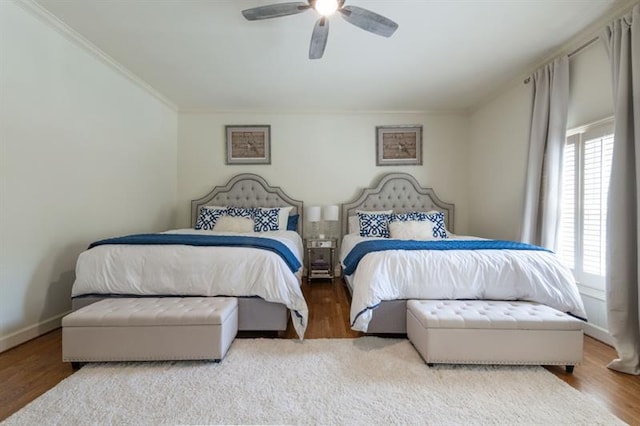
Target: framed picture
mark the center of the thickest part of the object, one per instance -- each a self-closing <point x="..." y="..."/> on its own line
<point x="398" y="145"/>
<point x="249" y="144"/>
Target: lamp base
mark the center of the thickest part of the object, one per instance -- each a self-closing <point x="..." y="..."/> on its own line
<point x="315" y="233"/>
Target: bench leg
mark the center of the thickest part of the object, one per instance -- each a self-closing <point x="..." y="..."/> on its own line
<point x="569" y="368"/>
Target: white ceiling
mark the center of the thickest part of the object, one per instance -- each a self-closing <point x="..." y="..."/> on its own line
<point x="446" y="54"/>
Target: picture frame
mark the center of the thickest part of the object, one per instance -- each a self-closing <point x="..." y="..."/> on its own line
<point x="399" y="145"/>
<point x="248" y="144"/>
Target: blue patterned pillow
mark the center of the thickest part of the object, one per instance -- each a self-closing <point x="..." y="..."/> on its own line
<point x="240" y="212"/>
<point x="403" y="217"/>
<point x="437" y="218"/>
<point x="266" y="220"/>
<point x="439" y="227"/>
<point x="419" y="216"/>
<point x="374" y="224"/>
<point x="208" y="217"/>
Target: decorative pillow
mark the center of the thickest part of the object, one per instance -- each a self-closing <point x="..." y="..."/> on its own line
<point x="271" y="218"/>
<point x="240" y="212"/>
<point x="439" y="227"/>
<point x="402" y="217"/>
<point x="374" y="224"/>
<point x="208" y="217"/>
<point x="292" y="222"/>
<point x="266" y="220"/>
<point x="411" y="230"/>
<point x="354" y="221"/>
<point x="436" y="218"/>
<point x="233" y="224"/>
<point x="283" y="218"/>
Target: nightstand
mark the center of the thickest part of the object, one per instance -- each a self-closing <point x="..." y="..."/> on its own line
<point x="320" y="258"/>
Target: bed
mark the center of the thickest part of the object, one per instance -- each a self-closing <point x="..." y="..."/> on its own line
<point x="388" y="271"/>
<point x="267" y="282"/>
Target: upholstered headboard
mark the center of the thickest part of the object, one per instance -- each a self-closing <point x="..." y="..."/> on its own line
<point x="401" y="193"/>
<point x="247" y="190"/>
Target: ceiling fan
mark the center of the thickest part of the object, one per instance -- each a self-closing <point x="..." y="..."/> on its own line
<point x="361" y="18"/>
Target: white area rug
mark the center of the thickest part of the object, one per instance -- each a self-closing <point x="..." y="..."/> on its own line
<point x="327" y="381"/>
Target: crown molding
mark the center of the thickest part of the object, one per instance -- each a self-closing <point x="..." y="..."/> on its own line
<point x="72" y="35"/>
<point x="302" y="112"/>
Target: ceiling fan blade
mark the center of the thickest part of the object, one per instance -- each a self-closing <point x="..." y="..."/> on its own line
<point x="319" y="38"/>
<point x="275" y="10"/>
<point x="368" y="20"/>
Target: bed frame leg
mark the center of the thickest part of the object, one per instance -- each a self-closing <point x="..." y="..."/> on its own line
<point x="75" y="365"/>
<point x="569" y="368"/>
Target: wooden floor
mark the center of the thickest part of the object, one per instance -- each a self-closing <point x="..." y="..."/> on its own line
<point x="32" y="368"/>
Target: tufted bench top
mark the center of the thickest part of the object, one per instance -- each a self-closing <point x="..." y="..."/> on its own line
<point x="153" y="312"/>
<point x="487" y="314"/>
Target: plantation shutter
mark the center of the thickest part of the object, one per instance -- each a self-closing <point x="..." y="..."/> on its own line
<point x="597" y="170"/>
<point x="586" y="170"/>
<point x="567" y="246"/>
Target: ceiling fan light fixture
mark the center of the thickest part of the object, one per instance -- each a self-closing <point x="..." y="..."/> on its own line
<point x="358" y="16"/>
<point x="326" y="7"/>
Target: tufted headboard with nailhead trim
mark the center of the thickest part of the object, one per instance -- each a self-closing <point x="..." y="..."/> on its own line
<point x="401" y="193"/>
<point x="247" y="190"/>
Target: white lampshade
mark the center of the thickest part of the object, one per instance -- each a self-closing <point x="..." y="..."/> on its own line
<point x="330" y="212"/>
<point x="314" y="213"/>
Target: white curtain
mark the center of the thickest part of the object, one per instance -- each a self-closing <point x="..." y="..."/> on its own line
<point x="546" y="143"/>
<point x="622" y="40"/>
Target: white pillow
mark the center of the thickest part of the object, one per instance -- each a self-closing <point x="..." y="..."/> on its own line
<point x="233" y="224"/>
<point x="411" y="230"/>
<point x="433" y="216"/>
<point x="283" y="217"/>
<point x="354" y="221"/>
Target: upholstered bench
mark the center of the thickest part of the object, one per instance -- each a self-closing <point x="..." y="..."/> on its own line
<point x="146" y="329"/>
<point x="493" y="332"/>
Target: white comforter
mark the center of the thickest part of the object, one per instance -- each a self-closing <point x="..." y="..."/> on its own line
<point x="202" y="271"/>
<point x="536" y="276"/>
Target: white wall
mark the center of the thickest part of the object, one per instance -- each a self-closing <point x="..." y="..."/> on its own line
<point x="322" y="158"/>
<point x="499" y="148"/>
<point x="498" y="154"/>
<point x="590" y="92"/>
<point x="84" y="154"/>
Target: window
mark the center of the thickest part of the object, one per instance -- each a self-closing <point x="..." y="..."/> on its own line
<point x="585" y="184"/>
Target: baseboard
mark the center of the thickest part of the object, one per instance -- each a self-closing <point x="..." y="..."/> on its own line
<point x="598" y="333"/>
<point x="31" y="332"/>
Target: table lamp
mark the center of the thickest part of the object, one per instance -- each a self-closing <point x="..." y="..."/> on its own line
<point x="314" y="215"/>
<point x="330" y="215"/>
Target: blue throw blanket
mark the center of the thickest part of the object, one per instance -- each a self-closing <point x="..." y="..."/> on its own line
<point x="364" y="247"/>
<point x="208" y="240"/>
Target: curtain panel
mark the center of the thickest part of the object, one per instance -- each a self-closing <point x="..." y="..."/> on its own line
<point x="541" y="219"/>
<point x="622" y="41"/>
